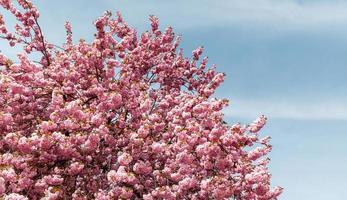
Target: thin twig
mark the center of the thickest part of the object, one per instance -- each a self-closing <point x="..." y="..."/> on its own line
<point x="45" y="53"/>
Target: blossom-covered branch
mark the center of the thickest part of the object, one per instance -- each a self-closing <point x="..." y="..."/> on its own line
<point x="125" y="116"/>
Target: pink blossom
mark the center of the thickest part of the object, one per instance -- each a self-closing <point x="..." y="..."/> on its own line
<point x="5" y="119"/>
<point x="48" y="126"/>
<point x="116" y="100"/>
<point x="2" y="186"/>
<point x="124" y="159"/>
<point x="197" y="52"/>
<point x="112" y="176"/>
<point x="257" y="124"/>
<point x="154" y="23"/>
<point x="119" y="117"/>
<point x="53" y="179"/>
<point x="97" y="119"/>
<point x="76" y="168"/>
<point x="51" y="194"/>
<point x="142" y="167"/>
<point x="188" y="183"/>
<point x="8" y="174"/>
<point x="14" y="196"/>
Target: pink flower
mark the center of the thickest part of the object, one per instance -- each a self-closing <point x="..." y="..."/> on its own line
<point x="8" y="174"/>
<point x="97" y="119"/>
<point x="76" y="168"/>
<point x="124" y="159"/>
<point x="112" y="176"/>
<point x="257" y="124"/>
<point x="197" y="52"/>
<point x="15" y="196"/>
<point x="188" y="183"/>
<point x="53" y="179"/>
<point x="154" y="23"/>
<point x="121" y="176"/>
<point x="47" y="126"/>
<point x="92" y="142"/>
<point x="142" y="168"/>
<point x="119" y="117"/>
<point x="5" y="119"/>
<point x="258" y="152"/>
<point x="157" y="147"/>
<point x="116" y="100"/>
<point x="2" y="186"/>
<point x="24" y="145"/>
<point x="143" y="131"/>
<point x="51" y="194"/>
<point x="69" y="124"/>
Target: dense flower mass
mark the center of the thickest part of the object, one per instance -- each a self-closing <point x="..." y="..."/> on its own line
<point x="121" y="117"/>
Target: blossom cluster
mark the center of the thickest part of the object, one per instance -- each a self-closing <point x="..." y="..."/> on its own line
<point x="120" y="117"/>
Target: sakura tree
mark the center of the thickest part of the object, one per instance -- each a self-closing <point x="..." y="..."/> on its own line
<point x="125" y="116"/>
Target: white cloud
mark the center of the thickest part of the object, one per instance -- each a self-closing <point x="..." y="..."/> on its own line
<point x="283" y="13"/>
<point x="328" y="110"/>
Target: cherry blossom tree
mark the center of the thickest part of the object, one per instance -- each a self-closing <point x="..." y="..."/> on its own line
<point x="125" y="116"/>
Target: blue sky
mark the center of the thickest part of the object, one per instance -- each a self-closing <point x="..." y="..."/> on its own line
<point x="285" y="59"/>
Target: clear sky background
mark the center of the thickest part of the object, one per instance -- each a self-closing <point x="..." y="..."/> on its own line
<point x="286" y="59"/>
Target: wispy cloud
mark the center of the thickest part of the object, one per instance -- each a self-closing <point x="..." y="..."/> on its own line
<point x="284" y="13"/>
<point x="329" y="110"/>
